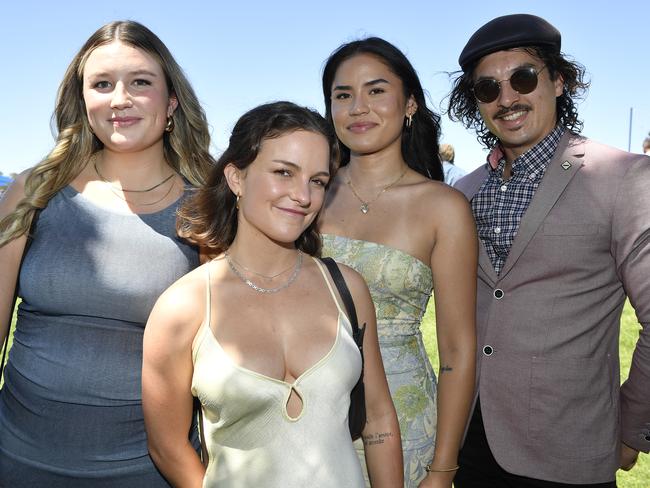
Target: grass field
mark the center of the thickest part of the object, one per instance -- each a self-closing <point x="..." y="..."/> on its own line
<point x="639" y="477"/>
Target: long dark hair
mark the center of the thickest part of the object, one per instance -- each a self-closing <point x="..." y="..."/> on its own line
<point x="420" y="141"/>
<point x="463" y="106"/>
<point x="209" y="217"/>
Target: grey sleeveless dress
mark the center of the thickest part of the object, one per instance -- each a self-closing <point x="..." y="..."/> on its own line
<point x="71" y="409"/>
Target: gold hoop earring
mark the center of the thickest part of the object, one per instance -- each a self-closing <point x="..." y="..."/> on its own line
<point x="409" y="121"/>
<point x="170" y="124"/>
<point x="237" y="202"/>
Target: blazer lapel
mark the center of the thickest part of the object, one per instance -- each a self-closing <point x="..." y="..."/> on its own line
<point x="485" y="266"/>
<point x="562" y="168"/>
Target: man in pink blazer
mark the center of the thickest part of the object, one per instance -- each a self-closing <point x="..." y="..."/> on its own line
<point x="564" y="224"/>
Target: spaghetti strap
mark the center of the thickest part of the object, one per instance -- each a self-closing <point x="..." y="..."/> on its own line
<point x="208" y="295"/>
<point x="205" y="325"/>
<point x="321" y="267"/>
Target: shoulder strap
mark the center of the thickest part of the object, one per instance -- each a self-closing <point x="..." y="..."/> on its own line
<point x="204" y="447"/>
<point x="344" y="292"/>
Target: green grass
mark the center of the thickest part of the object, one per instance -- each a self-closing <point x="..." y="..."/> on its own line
<point x="639" y="477"/>
<point x="11" y="340"/>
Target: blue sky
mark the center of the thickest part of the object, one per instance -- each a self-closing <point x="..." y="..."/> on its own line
<point x="240" y="54"/>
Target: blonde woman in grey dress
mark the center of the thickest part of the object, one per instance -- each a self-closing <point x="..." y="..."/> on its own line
<point x="258" y="335"/>
<point x="131" y="139"/>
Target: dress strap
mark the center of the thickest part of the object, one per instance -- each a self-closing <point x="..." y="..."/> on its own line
<point x="208" y="295"/>
<point x="321" y="267"/>
<point x="205" y="326"/>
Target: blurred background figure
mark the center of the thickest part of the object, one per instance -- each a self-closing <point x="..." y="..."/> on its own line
<point x="646" y="145"/>
<point x="4" y="182"/>
<point x="452" y="172"/>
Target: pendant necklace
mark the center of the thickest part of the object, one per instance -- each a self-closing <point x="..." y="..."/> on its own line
<point x="365" y="205"/>
<point x="259" y="289"/>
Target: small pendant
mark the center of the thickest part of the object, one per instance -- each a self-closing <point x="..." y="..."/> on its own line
<point x="364" y="208"/>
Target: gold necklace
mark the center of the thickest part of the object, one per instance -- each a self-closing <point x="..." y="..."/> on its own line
<point x="125" y="189"/>
<point x="365" y="205"/>
<point x="148" y="204"/>
<point x="114" y="189"/>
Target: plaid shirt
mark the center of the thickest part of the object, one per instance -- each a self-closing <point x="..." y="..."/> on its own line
<point x="499" y="205"/>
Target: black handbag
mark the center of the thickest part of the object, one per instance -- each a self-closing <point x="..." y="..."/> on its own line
<point x="357" y="413"/>
<point x="13" y="303"/>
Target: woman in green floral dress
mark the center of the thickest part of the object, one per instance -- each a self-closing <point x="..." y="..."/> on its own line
<point x="389" y="216"/>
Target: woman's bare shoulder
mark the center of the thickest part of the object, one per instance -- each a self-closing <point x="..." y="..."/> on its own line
<point x="183" y="303"/>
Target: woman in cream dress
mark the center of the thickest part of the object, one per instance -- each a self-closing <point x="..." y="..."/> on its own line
<point x="258" y="335"/>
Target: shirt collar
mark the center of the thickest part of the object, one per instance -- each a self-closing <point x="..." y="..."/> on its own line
<point x="533" y="160"/>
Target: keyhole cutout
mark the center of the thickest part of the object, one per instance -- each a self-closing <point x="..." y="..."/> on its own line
<point x="295" y="404"/>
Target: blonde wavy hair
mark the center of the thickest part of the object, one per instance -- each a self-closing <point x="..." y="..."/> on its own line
<point x="186" y="148"/>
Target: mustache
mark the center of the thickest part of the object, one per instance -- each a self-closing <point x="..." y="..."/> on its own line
<point x="515" y="108"/>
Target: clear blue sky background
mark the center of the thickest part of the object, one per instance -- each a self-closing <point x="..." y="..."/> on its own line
<point x="240" y="54"/>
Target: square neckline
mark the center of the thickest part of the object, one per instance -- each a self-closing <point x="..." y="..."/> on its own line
<point x="378" y="244"/>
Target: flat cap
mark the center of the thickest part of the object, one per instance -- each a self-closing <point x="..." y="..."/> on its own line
<point x="507" y="32"/>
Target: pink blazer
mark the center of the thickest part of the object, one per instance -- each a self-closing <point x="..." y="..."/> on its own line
<point x="548" y="325"/>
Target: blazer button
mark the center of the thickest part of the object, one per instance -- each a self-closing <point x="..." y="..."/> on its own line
<point x="487" y="350"/>
<point x="498" y="293"/>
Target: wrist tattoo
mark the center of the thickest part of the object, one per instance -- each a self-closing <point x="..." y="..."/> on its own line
<point x="445" y="369"/>
<point x="376" y="438"/>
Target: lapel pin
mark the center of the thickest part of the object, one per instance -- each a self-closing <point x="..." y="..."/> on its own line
<point x="566" y="165"/>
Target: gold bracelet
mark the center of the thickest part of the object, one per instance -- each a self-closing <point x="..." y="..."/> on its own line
<point x="429" y="469"/>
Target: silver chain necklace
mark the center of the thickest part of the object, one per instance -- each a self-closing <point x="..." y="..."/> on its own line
<point x="260" y="289"/>
<point x="266" y="277"/>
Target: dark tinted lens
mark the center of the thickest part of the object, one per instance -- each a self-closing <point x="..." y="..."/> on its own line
<point x="524" y="80"/>
<point x="486" y="91"/>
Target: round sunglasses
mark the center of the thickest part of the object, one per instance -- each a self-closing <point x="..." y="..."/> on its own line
<point x="523" y="81"/>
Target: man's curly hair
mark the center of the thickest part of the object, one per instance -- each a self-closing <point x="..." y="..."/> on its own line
<point x="646" y="143"/>
<point x="463" y="106"/>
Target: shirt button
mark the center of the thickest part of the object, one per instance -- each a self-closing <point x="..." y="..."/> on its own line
<point x="498" y="294"/>
<point x="497" y="230"/>
<point x="487" y="350"/>
<point x="504" y="187"/>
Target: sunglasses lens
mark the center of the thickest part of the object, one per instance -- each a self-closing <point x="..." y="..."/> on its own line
<point x="524" y="81"/>
<point x="486" y="91"/>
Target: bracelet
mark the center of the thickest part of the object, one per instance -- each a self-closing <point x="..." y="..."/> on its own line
<point x="429" y="469"/>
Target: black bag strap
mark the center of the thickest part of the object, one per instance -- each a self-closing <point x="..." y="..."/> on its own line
<point x="344" y="292"/>
<point x="204" y="446"/>
<point x="30" y="238"/>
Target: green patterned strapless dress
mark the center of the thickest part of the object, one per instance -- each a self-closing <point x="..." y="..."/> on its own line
<point x="400" y="286"/>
